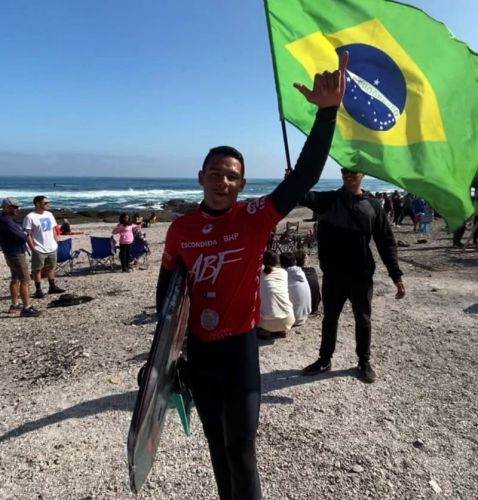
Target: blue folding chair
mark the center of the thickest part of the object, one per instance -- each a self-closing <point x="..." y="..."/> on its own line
<point x="65" y="256"/>
<point x="139" y="253"/>
<point x="102" y="253"/>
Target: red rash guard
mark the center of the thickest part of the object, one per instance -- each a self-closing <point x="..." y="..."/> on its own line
<point x="224" y="256"/>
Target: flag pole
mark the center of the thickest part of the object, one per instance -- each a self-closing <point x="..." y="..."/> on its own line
<point x="279" y="102"/>
<point x="286" y="146"/>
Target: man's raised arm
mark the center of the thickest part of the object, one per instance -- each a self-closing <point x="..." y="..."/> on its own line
<point x="327" y="94"/>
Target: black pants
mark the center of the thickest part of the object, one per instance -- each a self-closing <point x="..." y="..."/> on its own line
<point x="397" y="215"/>
<point x="458" y="235"/>
<point x="405" y="212"/>
<point x="124" y="253"/>
<point x="226" y="386"/>
<point x="335" y="291"/>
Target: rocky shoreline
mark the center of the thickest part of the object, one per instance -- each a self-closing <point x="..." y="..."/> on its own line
<point x="169" y="211"/>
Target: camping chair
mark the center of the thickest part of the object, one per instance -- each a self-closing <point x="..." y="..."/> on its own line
<point x="65" y="256"/>
<point x="292" y="227"/>
<point x="139" y="253"/>
<point x="102" y="253"/>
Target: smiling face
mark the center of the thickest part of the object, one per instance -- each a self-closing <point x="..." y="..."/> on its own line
<point x="352" y="180"/>
<point x="222" y="181"/>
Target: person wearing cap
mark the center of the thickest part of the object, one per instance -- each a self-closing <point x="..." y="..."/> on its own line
<point x="13" y="244"/>
<point x="42" y="240"/>
<point x="348" y="219"/>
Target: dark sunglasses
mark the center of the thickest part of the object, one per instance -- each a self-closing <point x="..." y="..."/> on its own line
<point x="346" y="171"/>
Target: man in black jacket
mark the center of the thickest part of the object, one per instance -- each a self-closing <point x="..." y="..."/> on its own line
<point x="348" y="219"/>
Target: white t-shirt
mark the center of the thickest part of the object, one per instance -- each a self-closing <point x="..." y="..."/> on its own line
<point x="41" y="227"/>
<point x="275" y="302"/>
<point x="299" y="293"/>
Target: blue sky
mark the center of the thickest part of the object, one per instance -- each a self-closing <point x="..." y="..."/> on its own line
<point x="146" y="87"/>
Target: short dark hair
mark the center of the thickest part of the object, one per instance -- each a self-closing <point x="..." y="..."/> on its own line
<point x="348" y="171"/>
<point x="224" y="151"/>
<point x="300" y="256"/>
<point x="270" y="260"/>
<point x="38" y="199"/>
<point x="287" y="259"/>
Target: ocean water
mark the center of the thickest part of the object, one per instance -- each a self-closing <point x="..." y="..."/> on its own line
<point x="108" y="193"/>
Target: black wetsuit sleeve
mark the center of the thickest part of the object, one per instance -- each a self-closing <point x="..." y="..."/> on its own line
<point x="386" y="245"/>
<point x="318" y="201"/>
<point x="164" y="279"/>
<point x="309" y="165"/>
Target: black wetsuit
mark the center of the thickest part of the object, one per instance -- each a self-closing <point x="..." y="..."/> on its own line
<point x="225" y="377"/>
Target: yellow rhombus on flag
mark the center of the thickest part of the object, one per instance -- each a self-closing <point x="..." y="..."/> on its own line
<point x="410" y="110"/>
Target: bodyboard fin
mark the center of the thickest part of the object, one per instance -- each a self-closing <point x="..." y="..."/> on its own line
<point x="184" y="411"/>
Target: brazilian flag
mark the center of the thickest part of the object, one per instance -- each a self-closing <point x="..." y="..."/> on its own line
<point x="410" y="110"/>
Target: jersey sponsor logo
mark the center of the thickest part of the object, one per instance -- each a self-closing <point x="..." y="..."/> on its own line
<point x="231" y="237"/>
<point x="208" y="267"/>
<point x="207" y="229"/>
<point x="255" y="205"/>
<point x="198" y="244"/>
<point x="209" y="319"/>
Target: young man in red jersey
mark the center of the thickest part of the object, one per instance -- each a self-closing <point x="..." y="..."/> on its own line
<point x="221" y="244"/>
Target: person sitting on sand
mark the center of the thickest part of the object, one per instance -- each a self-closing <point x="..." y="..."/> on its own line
<point x="215" y="245"/>
<point x="65" y="228"/>
<point x="312" y="277"/>
<point x="137" y="219"/>
<point x="277" y="313"/>
<point x="299" y="290"/>
<point x="150" y="220"/>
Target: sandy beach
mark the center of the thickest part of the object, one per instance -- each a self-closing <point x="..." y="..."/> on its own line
<point x="68" y="386"/>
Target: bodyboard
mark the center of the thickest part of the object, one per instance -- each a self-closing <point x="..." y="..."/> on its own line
<point x="159" y="384"/>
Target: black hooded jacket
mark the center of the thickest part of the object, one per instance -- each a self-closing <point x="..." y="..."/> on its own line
<point x="346" y="224"/>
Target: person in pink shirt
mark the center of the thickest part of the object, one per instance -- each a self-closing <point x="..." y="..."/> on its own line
<point x="125" y="229"/>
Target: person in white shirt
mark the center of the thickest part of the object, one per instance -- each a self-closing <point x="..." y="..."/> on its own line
<point x="277" y="314"/>
<point x="299" y="290"/>
<point x="39" y="226"/>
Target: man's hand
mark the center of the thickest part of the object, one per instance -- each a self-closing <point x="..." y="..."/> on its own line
<point x="329" y="88"/>
<point x="400" y="290"/>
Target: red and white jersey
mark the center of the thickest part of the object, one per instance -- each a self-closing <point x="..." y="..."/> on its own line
<point x="224" y="257"/>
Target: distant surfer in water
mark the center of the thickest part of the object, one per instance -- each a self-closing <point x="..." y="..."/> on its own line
<point x="221" y="244"/>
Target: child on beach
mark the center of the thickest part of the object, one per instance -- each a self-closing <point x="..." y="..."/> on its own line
<point x="125" y="229"/>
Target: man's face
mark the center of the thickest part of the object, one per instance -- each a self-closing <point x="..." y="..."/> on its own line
<point x="11" y="210"/>
<point x="43" y="204"/>
<point x="352" y="180"/>
<point x="222" y="182"/>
